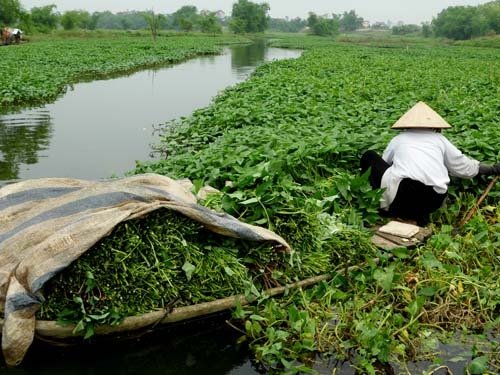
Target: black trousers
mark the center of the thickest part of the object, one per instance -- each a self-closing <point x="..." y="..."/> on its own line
<point x="414" y="200"/>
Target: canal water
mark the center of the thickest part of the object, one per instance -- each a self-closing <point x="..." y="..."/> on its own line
<point x="99" y="129"/>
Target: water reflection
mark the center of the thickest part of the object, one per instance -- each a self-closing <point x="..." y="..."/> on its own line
<point x="244" y="58"/>
<point x="23" y="138"/>
<point x="206" y="347"/>
<point x="100" y="128"/>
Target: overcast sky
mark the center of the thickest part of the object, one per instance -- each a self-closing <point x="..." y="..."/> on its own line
<point x="408" y="11"/>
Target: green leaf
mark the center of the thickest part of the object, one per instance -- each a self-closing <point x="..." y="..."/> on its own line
<point x="80" y="326"/>
<point x="250" y="201"/>
<point x="384" y="277"/>
<point x="478" y="365"/>
<point x="428" y="291"/>
<point x="415" y="306"/>
<point x="430" y="261"/>
<point x="99" y="317"/>
<point x="260" y="222"/>
<point x="228" y="271"/>
<point x="452" y="255"/>
<point x="89" y="332"/>
<point x="258" y="318"/>
<point x="238" y="312"/>
<point x="286" y="364"/>
<point x="401" y="252"/>
<point x="188" y="269"/>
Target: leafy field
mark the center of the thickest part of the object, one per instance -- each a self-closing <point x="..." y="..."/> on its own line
<point x="284" y="148"/>
<point x="39" y="71"/>
<point x="490" y="42"/>
<point x="287" y="143"/>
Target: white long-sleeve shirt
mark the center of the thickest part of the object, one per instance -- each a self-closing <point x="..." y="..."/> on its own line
<point x="423" y="155"/>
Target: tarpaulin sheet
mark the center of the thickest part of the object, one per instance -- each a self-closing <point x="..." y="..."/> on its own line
<point x="45" y="224"/>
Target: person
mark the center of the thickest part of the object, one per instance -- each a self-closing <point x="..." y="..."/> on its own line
<point x="11" y="35"/>
<point x="415" y="167"/>
<point x="5" y="35"/>
<point x="17" y="35"/>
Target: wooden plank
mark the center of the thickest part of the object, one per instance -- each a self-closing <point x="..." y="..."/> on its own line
<point x="400" y="229"/>
<point x="388" y="241"/>
<point x="383" y="243"/>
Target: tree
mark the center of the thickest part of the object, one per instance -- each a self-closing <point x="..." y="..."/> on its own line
<point x="129" y="20"/>
<point x="350" y="21"/>
<point x="126" y="24"/>
<point x="210" y="24"/>
<point x="426" y="30"/>
<point x="94" y="19"/>
<point x="491" y="13"/>
<point x="312" y="20"/>
<point x="405" y="29"/>
<point x="323" y="26"/>
<point x="45" y="18"/>
<point x="248" y="17"/>
<point x="25" y="22"/>
<point x="185" y="18"/>
<point x="154" y="22"/>
<point x="10" y="12"/>
<point x="294" y="25"/>
<point x="186" y="25"/>
<point x="74" y="19"/>
<point x="460" y="22"/>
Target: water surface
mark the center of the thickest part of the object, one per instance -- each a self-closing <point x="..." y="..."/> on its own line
<point x="99" y="129"/>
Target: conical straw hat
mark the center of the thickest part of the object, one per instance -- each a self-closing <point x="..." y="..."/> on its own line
<point x="421" y="116"/>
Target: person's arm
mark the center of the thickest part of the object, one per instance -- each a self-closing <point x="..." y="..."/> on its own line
<point x="388" y="154"/>
<point x="457" y="163"/>
<point x="488" y="170"/>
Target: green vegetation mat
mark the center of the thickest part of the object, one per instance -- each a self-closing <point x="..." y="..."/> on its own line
<point x="37" y="72"/>
<point x="289" y="141"/>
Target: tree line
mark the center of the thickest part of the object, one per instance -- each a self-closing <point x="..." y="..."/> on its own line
<point x="247" y="17"/>
<point x="456" y="22"/>
<point x="47" y="18"/>
<point x="332" y="25"/>
<point x="466" y="22"/>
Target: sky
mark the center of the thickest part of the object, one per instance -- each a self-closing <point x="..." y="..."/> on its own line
<point x="407" y="11"/>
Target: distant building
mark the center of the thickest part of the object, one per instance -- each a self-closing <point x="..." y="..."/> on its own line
<point x="366" y="24"/>
<point x="220" y="14"/>
<point x="379" y="25"/>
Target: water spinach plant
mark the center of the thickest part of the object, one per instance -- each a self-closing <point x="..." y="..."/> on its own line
<point x="288" y="141"/>
<point x="283" y="148"/>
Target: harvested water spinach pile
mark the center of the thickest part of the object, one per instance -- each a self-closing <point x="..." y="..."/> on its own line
<point x="167" y="260"/>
